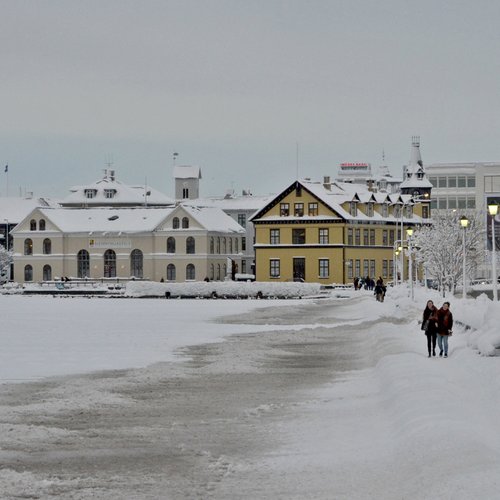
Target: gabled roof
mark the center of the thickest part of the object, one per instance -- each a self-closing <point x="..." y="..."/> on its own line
<point x="334" y="196"/>
<point x="187" y="172"/>
<point x="211" y="218"/>
<point x="14" y="210"/>
<point x="86" y="220"/>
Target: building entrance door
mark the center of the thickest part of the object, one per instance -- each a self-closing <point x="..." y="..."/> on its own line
<point x="299" y="269"/>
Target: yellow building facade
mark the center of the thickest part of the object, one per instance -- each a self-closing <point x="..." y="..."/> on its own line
<point x="332" y="233"/>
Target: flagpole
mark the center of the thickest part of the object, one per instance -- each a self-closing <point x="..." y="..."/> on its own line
<point x="6" y="170"/>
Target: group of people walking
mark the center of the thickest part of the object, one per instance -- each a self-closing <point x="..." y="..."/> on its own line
<point x="437" y="325"/>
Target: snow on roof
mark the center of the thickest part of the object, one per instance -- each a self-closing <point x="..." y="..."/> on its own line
<point x="14" y="210"/>
<point x="127" y="220"/>
<point x="249" y="203"/>
<point x="111" y="192"/>
<point x="187" y="172"/>
<point x="213" y="219"/>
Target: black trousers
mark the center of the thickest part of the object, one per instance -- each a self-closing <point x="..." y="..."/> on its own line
<point x="431" y="339"/>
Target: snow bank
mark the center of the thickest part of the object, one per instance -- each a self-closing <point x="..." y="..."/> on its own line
<point x="215" y="289"/>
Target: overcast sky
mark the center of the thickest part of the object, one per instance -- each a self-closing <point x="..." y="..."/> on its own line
<point x="234" y="86"/>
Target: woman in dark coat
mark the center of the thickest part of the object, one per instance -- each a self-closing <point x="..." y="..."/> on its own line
<point x="445" y="325"/>
<point x="430" y="325"/>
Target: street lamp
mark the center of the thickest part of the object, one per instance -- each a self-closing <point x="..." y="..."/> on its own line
<point x="464" y="222"/>
<point x="493" y="210"/>
<point x="409" y="232"/>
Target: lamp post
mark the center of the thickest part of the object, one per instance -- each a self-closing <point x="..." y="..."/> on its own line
<point x="493" y="210"/>
<point x="409" y="232"/>
<point x="464" y="222"/>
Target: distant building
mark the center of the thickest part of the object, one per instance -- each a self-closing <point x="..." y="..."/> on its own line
<point x="187" y="182"/>
<point x="110" y="192"/>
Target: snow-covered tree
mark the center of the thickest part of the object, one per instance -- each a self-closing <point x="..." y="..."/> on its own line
<point x="5" y="261"/>
<point x="440" y="247"/>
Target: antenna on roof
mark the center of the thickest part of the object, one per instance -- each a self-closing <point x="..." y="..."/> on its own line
<point x="297" y="160"/>
<point x="383" y="156"/>
<point x="174" y="157"/>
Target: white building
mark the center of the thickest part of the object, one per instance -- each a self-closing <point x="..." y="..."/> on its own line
<point x="180" y="243"/>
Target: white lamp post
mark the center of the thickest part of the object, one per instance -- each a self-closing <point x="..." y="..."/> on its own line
<point x="493" y="210"/>
<point x="464" y="222"/>
<point x="409" y="232"/>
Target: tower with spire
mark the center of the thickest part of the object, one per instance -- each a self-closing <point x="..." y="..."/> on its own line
<point x="415" y="182"/>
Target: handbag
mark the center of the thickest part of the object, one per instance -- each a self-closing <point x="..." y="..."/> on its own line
<point x="425" y="325"/>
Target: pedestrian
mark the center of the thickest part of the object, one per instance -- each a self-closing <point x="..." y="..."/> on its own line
<point x="356" y="283"/>
<point x="445" y="325"/>
<point x="430" y="326"/>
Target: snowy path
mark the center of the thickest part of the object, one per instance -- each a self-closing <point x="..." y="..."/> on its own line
<point x="347" y="408"/>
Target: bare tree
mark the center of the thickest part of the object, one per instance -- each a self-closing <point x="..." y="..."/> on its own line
<point x="440" y="247"/>
<point x="5" y="262"/>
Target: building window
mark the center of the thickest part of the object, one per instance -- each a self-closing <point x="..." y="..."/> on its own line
<point x="471" y="181"/>
<point x="284" y="209"/>
<point x="28" y="246"/>
<point x="366" y="267"/>
<point x="274" y="268"/>
<point x="353" y="208"/>
<point x="136" y="264"/>
<point x="47" y="246"/>
<point x="242" y="220"/>
<point x="83" y="264"/>
<point x="491" y="183"/>
<point x="441" y="203"/>
<point x="357" y="267"/>
<point x="452" y="181"/>
<point x="385" y="239"/>
<point x="243" y="266"/>
<point x="109" y="193"/>
<point x="442" y="182"/>
<point x="47" y="273"/>
<point x="224" y="246"/>
<point x="212" y="271"/>
<point x="90" y="193"/>
<point x="171" y="272"/>
<point x="385" y="210"/>
<point x="230" y="245"/>
<point x="224" y="270"/>
<point x="384" y="268"/>
<point x="170" y="244"/>
<point x="372" y="237"/>
<point x="452" y="202"/>
<point x="299" y="236"/>
<point x="218" y="272"/>
<point x="185" y="223"/>
<point x="324" y="236"/>
<point x="365" y="237"/>
<point x="357" y="237"/>
<point x="212" y="245"/>
<point x="313" y="209"/>
<point x="372" y="268"/>
<point x="471" y="202"/>
<point x="324" y="268"/>
<point x="28" y="273"/>
<point x="349" y="236"/>
<point x="190" y="272"/>
<point x="243" y="244"/>
<point x="425" y="212"/>
<point x="218" y="244"/>
<point x="409" y="211"/>
<point x="41" y="224"/>
<point x="274" y="237"/>
<point x="433" y="181"/>
<point x="236" y="245"/>
<point x="397" y="211"/>
<point x="350" y="270"/>
<point x="299" y="210"/>
<point x="461" y="201"/>
<point x="32" y="225"/>
<point x="391" y="237"/>
<point x="391" y="269"/>
<point x="461" y="181"/>
<point x="369" y="209"/>
<point x="190" y="246"/>
<point x="175" y="223"/>
<point x="110" y="264"/>
<point x="185" y="193"/>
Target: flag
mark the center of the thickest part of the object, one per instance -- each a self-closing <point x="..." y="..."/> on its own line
<point x="6" y="168"/>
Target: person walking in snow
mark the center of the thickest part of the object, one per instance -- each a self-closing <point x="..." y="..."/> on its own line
<point x="430" y="326"/>
<point x="445" y="325"/>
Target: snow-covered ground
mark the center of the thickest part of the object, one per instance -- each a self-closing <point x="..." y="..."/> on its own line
<point x="323" y="398"/>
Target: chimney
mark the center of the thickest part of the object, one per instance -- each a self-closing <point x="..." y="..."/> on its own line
<point x="326" y="182"/>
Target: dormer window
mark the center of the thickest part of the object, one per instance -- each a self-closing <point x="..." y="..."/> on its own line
<point x="299" y="210"/>
<point x="369" y="209"/>
<point x="109" y="193"/>
<point x="284" y="209"/>
<point x="353" y="209"/>
<point x="90" y="193"/>
<point x="409" y="211"/>
<point x="385" y="210"/>
<point x="397" y="211"/>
